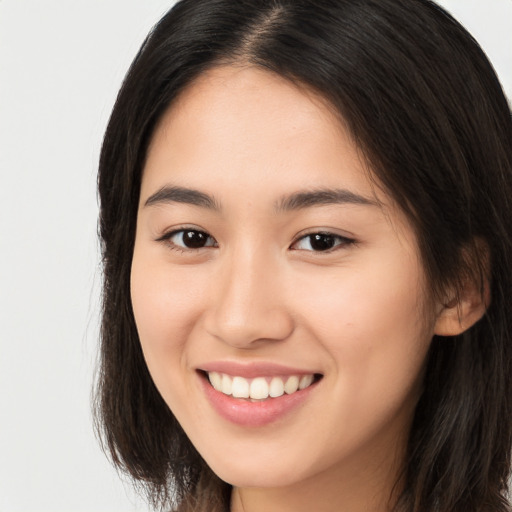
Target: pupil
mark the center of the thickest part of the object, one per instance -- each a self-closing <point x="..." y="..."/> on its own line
<point x="321" y="242"/>
<point x="194" y="239"/>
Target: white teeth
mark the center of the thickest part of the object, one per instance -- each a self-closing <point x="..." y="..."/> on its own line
<point x="292" y="385"/>
<point x="227" y="384"/>
<point x="259" y="388"/>
<point x="305" y="381"/>
<point x="215" y="380"/>
<point x="276" y="387"/>
<point x="240" y="387"/>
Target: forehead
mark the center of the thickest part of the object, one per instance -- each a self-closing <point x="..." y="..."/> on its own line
<point x="247" y="89"/>
<point x="247" y="124"/>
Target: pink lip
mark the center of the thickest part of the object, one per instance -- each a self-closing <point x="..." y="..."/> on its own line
<point x="253" y="369"/>
<point x="254" y="414"/>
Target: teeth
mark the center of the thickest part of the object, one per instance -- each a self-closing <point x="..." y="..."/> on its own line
<point x="226" y="384"/>
<point x="305" y="381"/>
<point x="259" y="388"/>
<point x="292" y="384"/>
<point x="276" y="387"/>
<point x="240" y="388"/>
<point x="215" y="380"/>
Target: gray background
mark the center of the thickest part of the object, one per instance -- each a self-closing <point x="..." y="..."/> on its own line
<point x="61" y="64"/>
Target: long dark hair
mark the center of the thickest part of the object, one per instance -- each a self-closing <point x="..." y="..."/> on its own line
<point x="428" y="113"/>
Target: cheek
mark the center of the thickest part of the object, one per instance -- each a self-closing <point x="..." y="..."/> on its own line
<point x="165" y="302"/>
<point x="381" y="317"/>
<point x="166" y="307"/>
<point x="376" y="328"/>
<point x="382" y="302"/>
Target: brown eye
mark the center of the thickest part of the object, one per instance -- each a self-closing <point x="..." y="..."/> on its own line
<point x="190" y="239"/>
<point x="321" y="242"/>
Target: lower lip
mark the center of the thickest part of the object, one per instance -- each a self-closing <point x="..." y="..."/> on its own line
<point x="254" y="414"/>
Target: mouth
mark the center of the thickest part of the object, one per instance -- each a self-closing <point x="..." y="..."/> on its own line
<point x="260" y="388"/>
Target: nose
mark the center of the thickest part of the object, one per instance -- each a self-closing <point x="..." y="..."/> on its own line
<point x="249" y="306"/>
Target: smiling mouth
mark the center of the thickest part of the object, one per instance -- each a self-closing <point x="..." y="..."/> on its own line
<point x="260" y="388"/>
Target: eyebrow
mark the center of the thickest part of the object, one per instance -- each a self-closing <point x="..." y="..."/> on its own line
<point x="295" y="201"/>
<point x="307" y="199"/>
<point x="169" y="194"/>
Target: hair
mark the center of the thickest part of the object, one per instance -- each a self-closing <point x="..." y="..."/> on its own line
<point x="427" y="112"/>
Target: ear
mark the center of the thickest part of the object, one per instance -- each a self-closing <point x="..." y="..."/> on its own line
<point x="470" y="303"/>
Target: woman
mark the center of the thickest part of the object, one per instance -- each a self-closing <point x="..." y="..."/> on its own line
<point x="305" y="217"/>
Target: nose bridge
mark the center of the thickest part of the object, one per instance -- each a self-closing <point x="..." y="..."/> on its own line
<point x="250" y="304"/>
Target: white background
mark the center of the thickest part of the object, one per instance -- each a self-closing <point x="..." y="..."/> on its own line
<point x="61" y="64"/>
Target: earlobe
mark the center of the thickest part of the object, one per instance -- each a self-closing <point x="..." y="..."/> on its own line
<point x="461" y="313"/>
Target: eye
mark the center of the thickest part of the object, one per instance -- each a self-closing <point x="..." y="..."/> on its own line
<point x="321" y="242"/>
<point x="189" y="239"/>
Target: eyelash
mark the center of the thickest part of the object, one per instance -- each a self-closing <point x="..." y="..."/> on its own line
<point x="167" y="238"/>
<point x="338" y="240"/>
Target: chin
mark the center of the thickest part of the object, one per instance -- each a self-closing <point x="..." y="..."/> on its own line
<point x="255" y="477"/>
<point x="259" y="472"/>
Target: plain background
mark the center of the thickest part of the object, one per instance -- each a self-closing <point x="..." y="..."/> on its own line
<point x="61" y="64"/>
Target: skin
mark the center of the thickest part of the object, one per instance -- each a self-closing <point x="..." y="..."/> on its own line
<point x="357" y="314"/>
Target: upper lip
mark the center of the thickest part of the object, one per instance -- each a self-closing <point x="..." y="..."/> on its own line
<point x="251" y="370"/>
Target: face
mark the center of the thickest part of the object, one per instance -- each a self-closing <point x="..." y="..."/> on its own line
<point x="266" y="262"/>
